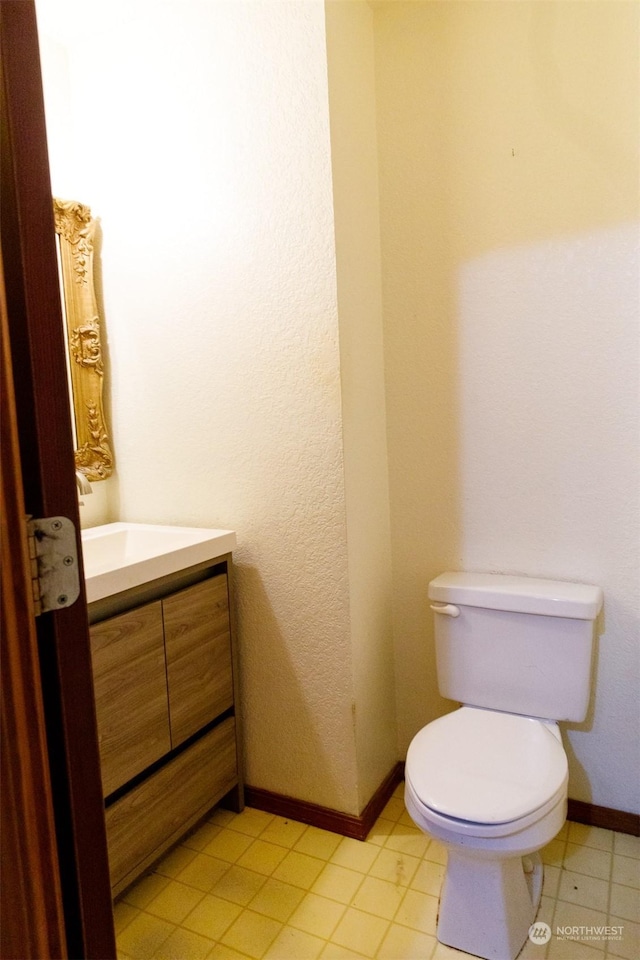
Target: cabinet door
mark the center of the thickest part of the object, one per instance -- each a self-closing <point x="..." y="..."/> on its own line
<point x="198" y="648"/>
<point x="131" y="693"/>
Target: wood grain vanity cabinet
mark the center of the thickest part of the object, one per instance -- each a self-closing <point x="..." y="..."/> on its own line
<point x="165" y="688"/>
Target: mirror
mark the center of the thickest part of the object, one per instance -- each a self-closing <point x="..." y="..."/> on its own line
<point x="75" y="228"/>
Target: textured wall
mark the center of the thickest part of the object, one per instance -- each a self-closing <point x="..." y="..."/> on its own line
<point x="350" y="60"/>
<point x="207" y="156"/>
<point x="509" y="143"/>
<point x="243" y="333"/>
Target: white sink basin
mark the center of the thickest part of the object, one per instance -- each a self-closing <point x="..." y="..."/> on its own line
<point x="118" y="556"/>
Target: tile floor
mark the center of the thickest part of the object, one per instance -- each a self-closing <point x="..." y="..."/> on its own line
<point x="253" y="885"/>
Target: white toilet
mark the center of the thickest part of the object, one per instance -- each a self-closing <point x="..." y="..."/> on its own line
<point x="489" y="780"/>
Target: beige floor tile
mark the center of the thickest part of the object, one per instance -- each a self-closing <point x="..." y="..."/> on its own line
<point x="238" y="885"/>
<point x="123" y="914"/>
<point x="394" y="809"/>
<point x="228" y="845"/>
<point x="283" y="832"/>
<point x="443" y="952"/>
<point x="406" y="819"/>
<point x="408" y="840"/>
<point x="629" y="946"/>
<point x="198" y="839"/>
<point x="337" y="883"/>
<point x="572" y="950"/>
<point x="360" y="932"/>
<point x="378" y="897"/>
<point x="252" y="933"/>
<point x="143" y="892"/>
<point x="318" y="843"/>
<point x="401" y="943"/>
<point x="553" y="853"/>
<point x="203" y="872"/>
<point x="436" y="852"/>
<point x="175" y="862"/>
<point x="222" y="952"/>
<point x="212" y="916"/>
<point x="174" y="902"/>
<point x="380" y="832"/>
<point x="590" y="836"/>
<point x="185" y="945"/>
<point x="262" y="857"/>
<point x="572" y="916"/>
<point x="251" y="822"/>
<point x="587" y="860"/>
<point x="222" y="817"/>
<point x="395" y="867"/>
<point x="551" y="880"/>
<point x="277" y="900"/>
<point x="144" y="936"/>
<point x="343" y="899"/>
<point x="291" y="944"/>
<point x="535" y="951"/>
<point x="626" y="870"/>
<point x="355" y="855"/>
<point x="317" y="915"/>
<point x="546" y="910"/>
<point x="428" y="878"/>
<point x="586" y="891"/>
<point x="624" y="902"/>
<point x="299" y="869"/>
<point x="334" y="951"/>
<point x="626" y="845"/>
<point x="418" y="911"/>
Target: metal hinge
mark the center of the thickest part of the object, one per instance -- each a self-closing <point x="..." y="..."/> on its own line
<point x="53" y="557"/>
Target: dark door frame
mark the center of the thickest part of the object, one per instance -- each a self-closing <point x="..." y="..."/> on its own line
<point x="37" y="354"/>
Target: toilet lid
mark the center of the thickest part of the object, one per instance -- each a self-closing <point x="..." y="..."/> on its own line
<point x="485" y="767"/>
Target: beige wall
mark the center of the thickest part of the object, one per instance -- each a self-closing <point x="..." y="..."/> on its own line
<point x="350" y="58"/>
<point x="203" y="146"/>
<point x="509" y="149"/>
<point x="230" y="152"/>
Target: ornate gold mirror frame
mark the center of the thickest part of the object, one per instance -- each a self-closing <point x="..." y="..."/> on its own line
<point x="76" y="227"/>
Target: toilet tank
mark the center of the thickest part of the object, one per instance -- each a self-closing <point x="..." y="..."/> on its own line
<point x="516" y="644"/>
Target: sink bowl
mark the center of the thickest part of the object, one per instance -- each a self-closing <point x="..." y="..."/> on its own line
<point x="118" y="556"/>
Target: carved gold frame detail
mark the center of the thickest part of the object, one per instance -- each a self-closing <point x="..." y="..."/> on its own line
<point x="75" y="228"/>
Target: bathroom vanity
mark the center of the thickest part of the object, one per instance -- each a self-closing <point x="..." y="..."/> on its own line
<point x="165" y="678"/>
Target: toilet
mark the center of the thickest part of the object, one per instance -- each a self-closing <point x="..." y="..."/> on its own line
<point x="489" y="780"/>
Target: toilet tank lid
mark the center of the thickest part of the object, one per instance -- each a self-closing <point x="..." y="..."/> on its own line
<point x="550" y="598"/>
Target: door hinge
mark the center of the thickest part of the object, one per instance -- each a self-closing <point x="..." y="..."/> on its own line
<point x="53" y="557"/>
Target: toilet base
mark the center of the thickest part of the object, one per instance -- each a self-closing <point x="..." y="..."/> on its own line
<point x="487" y="906"/>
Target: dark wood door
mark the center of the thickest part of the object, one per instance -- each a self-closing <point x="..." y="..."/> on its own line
<point x="37" y="358"/>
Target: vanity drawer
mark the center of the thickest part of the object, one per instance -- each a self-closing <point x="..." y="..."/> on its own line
<point x="143" y="823"/>
<point x="198" y="649"/>
<point x="130" y="687"/>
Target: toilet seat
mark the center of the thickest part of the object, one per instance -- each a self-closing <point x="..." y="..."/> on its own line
<point x="485" y="767"/>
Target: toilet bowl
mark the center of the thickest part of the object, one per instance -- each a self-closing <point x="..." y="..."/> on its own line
<point x="492" y="788"/>
<point x="490" y="779"/>
<point x="486" y="775"/>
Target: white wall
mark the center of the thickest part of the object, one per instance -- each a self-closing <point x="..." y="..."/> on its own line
<point x="509" y="136"/>
<point x="243" y="321"/>
<point x="350" y="60"/>
<point x="203" y="133"/>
